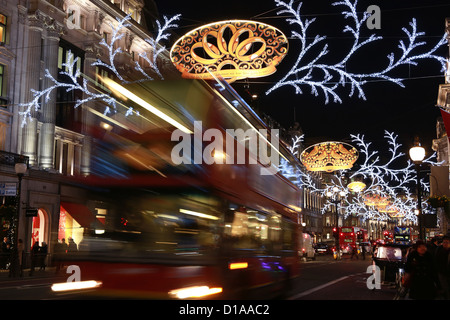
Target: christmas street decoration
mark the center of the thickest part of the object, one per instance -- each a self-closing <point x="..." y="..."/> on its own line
<point x="234" y="49"/>
<point x="386" y="194"/>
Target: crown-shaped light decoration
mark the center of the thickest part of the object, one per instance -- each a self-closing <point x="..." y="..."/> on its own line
<point x="233" y="50"/>
<point x="329" y="156"/>
<point x="393" y="211"/>
<point x="376" y="200"/>
<point x="356" y="186"/>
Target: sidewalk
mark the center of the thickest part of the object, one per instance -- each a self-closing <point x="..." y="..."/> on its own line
<point x="48" y="275"/>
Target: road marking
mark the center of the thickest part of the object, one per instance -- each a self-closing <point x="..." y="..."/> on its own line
<point x="308" y="292"/>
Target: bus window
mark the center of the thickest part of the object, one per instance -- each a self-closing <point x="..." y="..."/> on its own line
<point x="253" y="230"/>
<point x="288" y="235"/>
<point x="160" y="223"/>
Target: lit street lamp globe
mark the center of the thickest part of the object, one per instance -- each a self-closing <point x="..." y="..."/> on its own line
<point x="417" y="153"/>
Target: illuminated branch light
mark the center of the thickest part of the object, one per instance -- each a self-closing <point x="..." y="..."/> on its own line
<point x="116" y="35"/>
<point x="337" y="75"/>
<point x="73" y="74"/>
<point x="157" y="49"/>
<point x="70" y="66"/>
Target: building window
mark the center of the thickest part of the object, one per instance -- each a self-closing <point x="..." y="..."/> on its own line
<point x="83" y="22"/>
<point x="3" y="100"/>
<point x="39" y="232"/>
<point x="2" y="29"/>
<point x="63" y="55"/>
<point x="67" y="157"/>
<point x="66" y="114"/>
<point x="106" y="37"/>
<point x="133" y="13"/>
<point x="42" y="50"/>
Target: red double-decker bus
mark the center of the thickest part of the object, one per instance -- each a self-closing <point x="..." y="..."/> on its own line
<point x="192" y="230"/>
<point x="350" y="237"/>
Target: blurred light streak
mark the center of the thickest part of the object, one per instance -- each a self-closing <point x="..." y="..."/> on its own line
<point x="118" y="88"/>
<point x="199" y="214"/>
<point x="76" y="285"/>
<point x="238" y="265"/>
<point x="194" y="292"/>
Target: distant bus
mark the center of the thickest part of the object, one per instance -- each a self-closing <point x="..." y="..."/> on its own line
<point x="306" y="246"/>
<point x="351" y="236"/>
<point x="402" y="235"/>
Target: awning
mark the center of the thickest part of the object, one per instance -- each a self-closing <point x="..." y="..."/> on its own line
<point x="80" y="213"/>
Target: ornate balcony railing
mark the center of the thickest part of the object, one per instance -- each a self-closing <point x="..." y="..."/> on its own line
<point x="9" y="158"/>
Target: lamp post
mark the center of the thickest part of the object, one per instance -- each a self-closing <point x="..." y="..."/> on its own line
<point x="20" y="169"/>
<point x="335" y="197"/>
<point x="417" y="154"/>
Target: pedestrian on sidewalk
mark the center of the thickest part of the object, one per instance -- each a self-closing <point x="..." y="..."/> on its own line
<point x="42" y="256"/>
<point x="72" y="246"/>
<point x="442" y="257"/>
<point x="420" y="273"/>
<point x="34" y="256"/>
<point x="5" y="253"/>
<point x="59" y="254"/>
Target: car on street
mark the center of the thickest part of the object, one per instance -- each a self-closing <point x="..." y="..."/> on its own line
<point x="322" y="248"/>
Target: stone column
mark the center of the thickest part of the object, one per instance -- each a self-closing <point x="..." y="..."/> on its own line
<point x="29" y="131"/>
<point x="92" y="52"/>
<point x="47" y="132"/>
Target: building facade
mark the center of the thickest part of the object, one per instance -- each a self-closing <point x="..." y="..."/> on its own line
<point x="39" y="39"/>
<point x="441" y="147"/>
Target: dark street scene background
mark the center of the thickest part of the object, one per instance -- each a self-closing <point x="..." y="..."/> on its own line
<point x="224" y="159"/>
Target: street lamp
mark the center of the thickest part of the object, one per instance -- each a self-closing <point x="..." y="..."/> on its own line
<point x="335" y="197"/>
<point x="20" y="169"/>
<point x="417" y="154"/>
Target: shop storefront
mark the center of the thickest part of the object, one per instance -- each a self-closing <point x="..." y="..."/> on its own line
<point x="74" y="218"/>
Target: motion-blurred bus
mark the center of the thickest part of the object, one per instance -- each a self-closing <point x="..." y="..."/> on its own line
<point x="189" y="230"/>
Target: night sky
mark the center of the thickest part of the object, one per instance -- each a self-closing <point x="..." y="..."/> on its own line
<point x="406" y="111"/>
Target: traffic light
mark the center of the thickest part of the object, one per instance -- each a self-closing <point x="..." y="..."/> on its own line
<point x="335" y="232"/>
